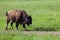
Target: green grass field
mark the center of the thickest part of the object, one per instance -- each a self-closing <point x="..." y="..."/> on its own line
<point x="45" y="14"/>
<point x="45" y="17"/>
<point x="14" y="35"/>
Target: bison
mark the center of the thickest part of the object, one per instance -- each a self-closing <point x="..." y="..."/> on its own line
<point x="18" y="17"/>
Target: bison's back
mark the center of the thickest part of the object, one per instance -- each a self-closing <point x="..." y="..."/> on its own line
<point x="17" y="15"/>
<point x="14" y="15"/>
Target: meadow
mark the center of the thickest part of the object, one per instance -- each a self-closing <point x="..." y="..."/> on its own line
<point x="45" y="17"/>
<point x="19" y="35"/>
<point x="45" y="14"/>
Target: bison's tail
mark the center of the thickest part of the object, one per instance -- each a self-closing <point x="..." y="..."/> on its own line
<point x="6" y="13"/>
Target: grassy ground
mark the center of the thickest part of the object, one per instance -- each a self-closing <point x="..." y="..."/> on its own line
<point x="45" y="17"/>
<point x="18" y="35"/>
<point x="45" y="14"/>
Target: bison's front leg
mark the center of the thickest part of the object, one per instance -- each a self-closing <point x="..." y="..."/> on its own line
<point x="24" y="27"/>
<point x="17" y="24"/>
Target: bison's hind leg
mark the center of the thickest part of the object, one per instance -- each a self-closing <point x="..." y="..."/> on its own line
<point x="7" y="23"/>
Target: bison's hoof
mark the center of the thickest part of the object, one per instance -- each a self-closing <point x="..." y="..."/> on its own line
<point x="26" y="30"/>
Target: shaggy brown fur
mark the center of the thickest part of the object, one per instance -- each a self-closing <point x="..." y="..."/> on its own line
<point x="18" y="16"/>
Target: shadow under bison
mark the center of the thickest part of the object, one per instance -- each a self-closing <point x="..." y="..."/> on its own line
<point x="44" y="29"/>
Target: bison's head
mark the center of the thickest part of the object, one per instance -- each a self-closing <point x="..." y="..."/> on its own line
<point x="29" y="20"/>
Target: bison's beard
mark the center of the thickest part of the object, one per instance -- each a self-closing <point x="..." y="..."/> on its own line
<point x="28" y="24"/>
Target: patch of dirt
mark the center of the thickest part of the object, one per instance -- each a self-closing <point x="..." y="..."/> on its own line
<point x="42" y="32"/>
<point x="33" y="32"/>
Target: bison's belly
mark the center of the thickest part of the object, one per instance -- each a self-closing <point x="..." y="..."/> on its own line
<point x="14" y="19"/>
